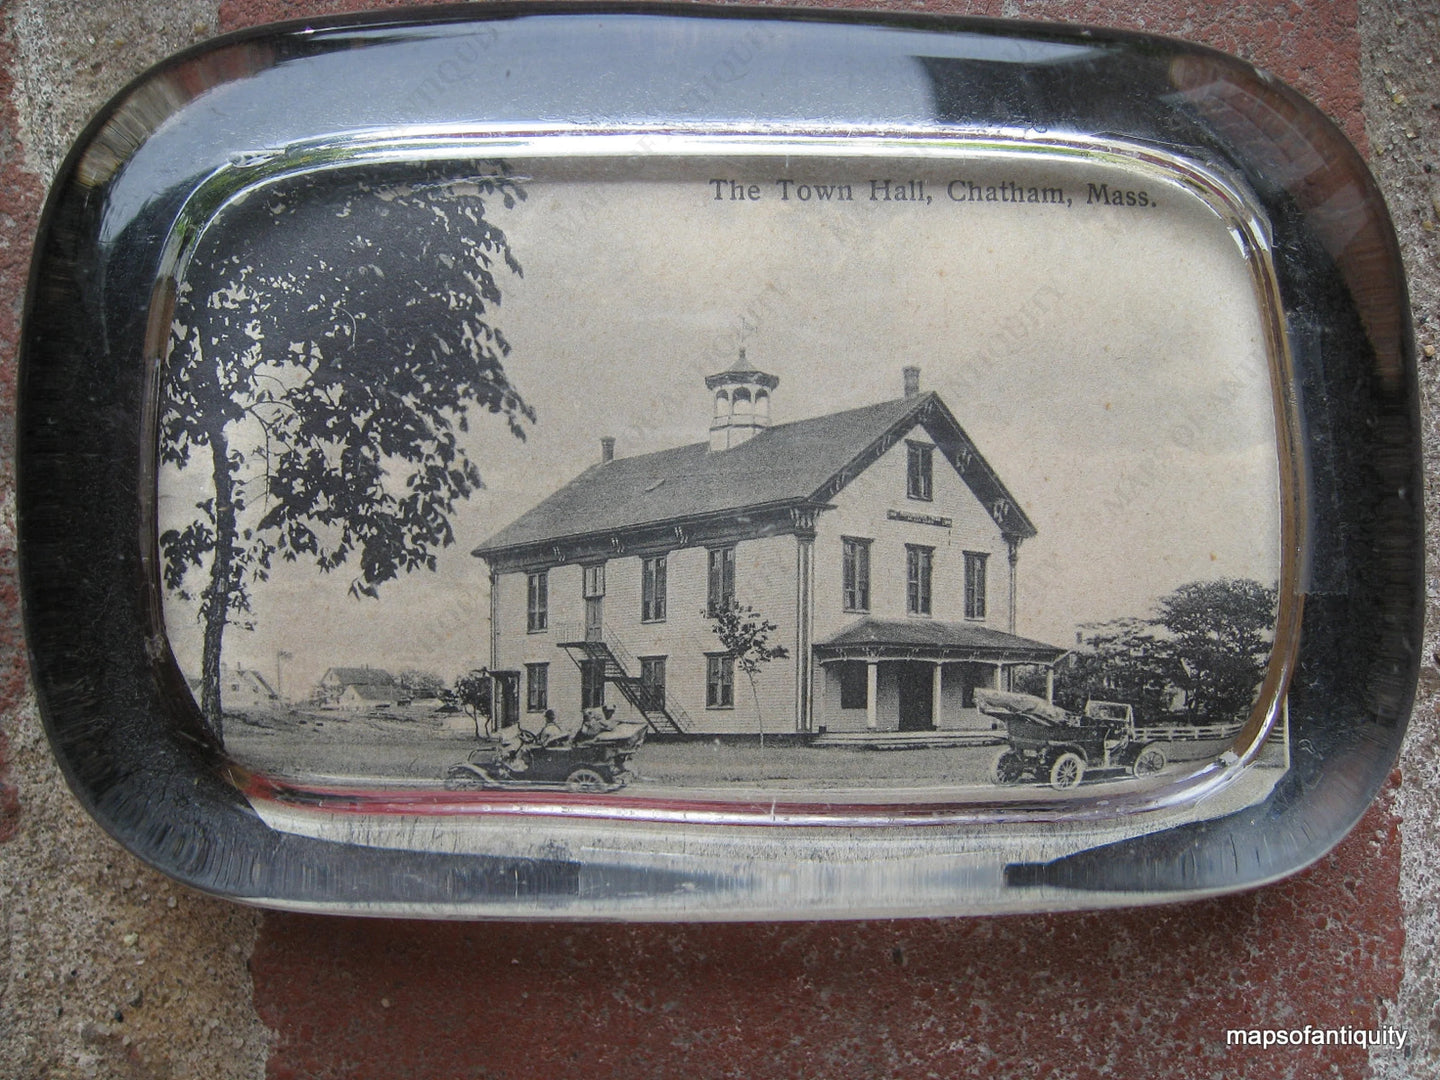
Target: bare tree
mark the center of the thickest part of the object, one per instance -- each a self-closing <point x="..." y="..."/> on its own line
<point x="745" y="635"/>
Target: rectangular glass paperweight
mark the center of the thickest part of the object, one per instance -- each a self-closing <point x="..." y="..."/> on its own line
<point x="788" y="500"/>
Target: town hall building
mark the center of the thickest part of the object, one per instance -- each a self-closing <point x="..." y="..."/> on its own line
<point x="879" y="541"/>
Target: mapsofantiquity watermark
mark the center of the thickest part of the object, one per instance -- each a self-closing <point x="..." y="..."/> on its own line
<point x="1310" y="1035"/>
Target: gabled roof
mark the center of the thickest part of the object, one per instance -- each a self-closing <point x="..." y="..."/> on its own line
<point x="255" y="680"/>
<point x="929" y="635"/>
<point x="808" y="461"/>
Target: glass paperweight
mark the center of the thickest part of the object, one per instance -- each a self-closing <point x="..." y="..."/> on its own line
<point x="718" y="465"/>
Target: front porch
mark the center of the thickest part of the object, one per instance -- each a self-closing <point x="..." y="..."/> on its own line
<point x="917" y="676"/>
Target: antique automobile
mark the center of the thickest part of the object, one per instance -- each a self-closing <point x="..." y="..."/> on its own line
<point x="594" y="758"/>
<point x="1053" y="746"/>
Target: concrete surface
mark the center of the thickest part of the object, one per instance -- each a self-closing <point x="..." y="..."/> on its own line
<point x="107" y="970"/>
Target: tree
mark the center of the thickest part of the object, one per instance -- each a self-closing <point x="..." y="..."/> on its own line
<point x="473" y="694"/>
<point x="745" y="636"/>
<point x="421" y="684"/>
<point x="325" y="354"/>
<point x="1209" y="639"/>
<point x="1122" y="660"/>
<point x="1219" y="636"/>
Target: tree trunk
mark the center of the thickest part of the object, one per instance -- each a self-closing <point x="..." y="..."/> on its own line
<point x="216" y="604"/>
<point x="756" y="695"/>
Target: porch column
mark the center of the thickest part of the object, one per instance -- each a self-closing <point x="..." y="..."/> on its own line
<point x="804" y="622"/>
<point x="937" y="697"/>
<point x="1050" y="685"/>
<point x="872" y="690"/>
<point x="494" y="620"/>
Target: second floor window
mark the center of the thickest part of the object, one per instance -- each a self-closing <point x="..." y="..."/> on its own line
<point x="855" y="575"/>
<point x="919" y="471"/>
<point x="919" y="562"/>
<point x="652" y="589"/>
<point x="537" y="602"/>
<point x="975" y="584"/>
<point x="594" y="581"/>
<point x="721" y="593"/>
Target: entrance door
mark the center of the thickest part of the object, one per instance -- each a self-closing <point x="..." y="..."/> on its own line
<point x="592" y="684"/>
<point x="507" y="698"/>
<point x="652" y="682"/>
<point x="916" y="687"/>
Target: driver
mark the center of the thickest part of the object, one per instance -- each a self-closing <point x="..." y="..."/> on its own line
<point x="551" y="733"/>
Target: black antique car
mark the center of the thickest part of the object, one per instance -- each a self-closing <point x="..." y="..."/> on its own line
<point x="596" y="757"/>
<point x="1049" y="745"/>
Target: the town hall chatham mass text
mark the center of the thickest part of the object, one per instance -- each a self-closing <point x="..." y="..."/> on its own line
<point x="925" y="192"/>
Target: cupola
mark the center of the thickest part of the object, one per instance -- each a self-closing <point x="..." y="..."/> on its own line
<point x="741" y="396"/>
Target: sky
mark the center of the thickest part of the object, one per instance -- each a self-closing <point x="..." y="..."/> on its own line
<point x="1107" y="360"/>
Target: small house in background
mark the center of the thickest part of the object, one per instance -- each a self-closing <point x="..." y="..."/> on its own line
<point x="356" y="688"/>
<point x="242" y="688"/>
<point x="879" y="540"/>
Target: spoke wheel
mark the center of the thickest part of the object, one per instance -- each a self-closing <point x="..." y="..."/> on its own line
<point x="1007" y="767"/>
<point x="1067" y="771"/>
<point x="586" y="779"/>
<point x="1149" y="761"/>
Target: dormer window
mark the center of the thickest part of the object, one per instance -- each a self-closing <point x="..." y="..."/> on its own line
<point x="919" y="471"/>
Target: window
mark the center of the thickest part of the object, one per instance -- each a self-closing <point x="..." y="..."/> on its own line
<point x="537" y="687"/>
<point x="721" y="593"/>
<point x="855" y="575"/>
<point x="594" y="581"/>
<point x="919" y="474"/>
<point x="537" y="604"/>
<point x="975" y="584"/>
<point x="652" y="682"/>
<point x="592" y="684"/>
<point x="854" y="684"/>
<point x="918" y="563"/>
<point x="652" y="589"/>
<point x="719" y="682"/>
<point x="593" y="588"/>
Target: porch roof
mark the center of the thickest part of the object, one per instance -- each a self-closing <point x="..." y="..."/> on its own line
<point x="929" y="639"/>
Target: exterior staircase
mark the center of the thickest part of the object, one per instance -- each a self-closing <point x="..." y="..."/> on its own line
<point x="661" y="711"/>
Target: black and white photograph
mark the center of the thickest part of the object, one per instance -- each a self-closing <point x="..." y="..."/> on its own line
<point x="834" y="477"/>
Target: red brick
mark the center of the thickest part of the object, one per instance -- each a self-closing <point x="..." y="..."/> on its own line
<point x="1137" y="993"/>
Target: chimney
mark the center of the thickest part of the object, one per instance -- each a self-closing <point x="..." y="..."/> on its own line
<point x="607" y="448"/>
<point x="912" y="381"/>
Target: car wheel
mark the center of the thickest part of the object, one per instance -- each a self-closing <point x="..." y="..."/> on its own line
<point x="1149" y="761"/>
<point x="586" y="779"/>
<point x="1067" y="771"/>
<point x="459" y="778"/>
<point x="1007" y="767"/>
